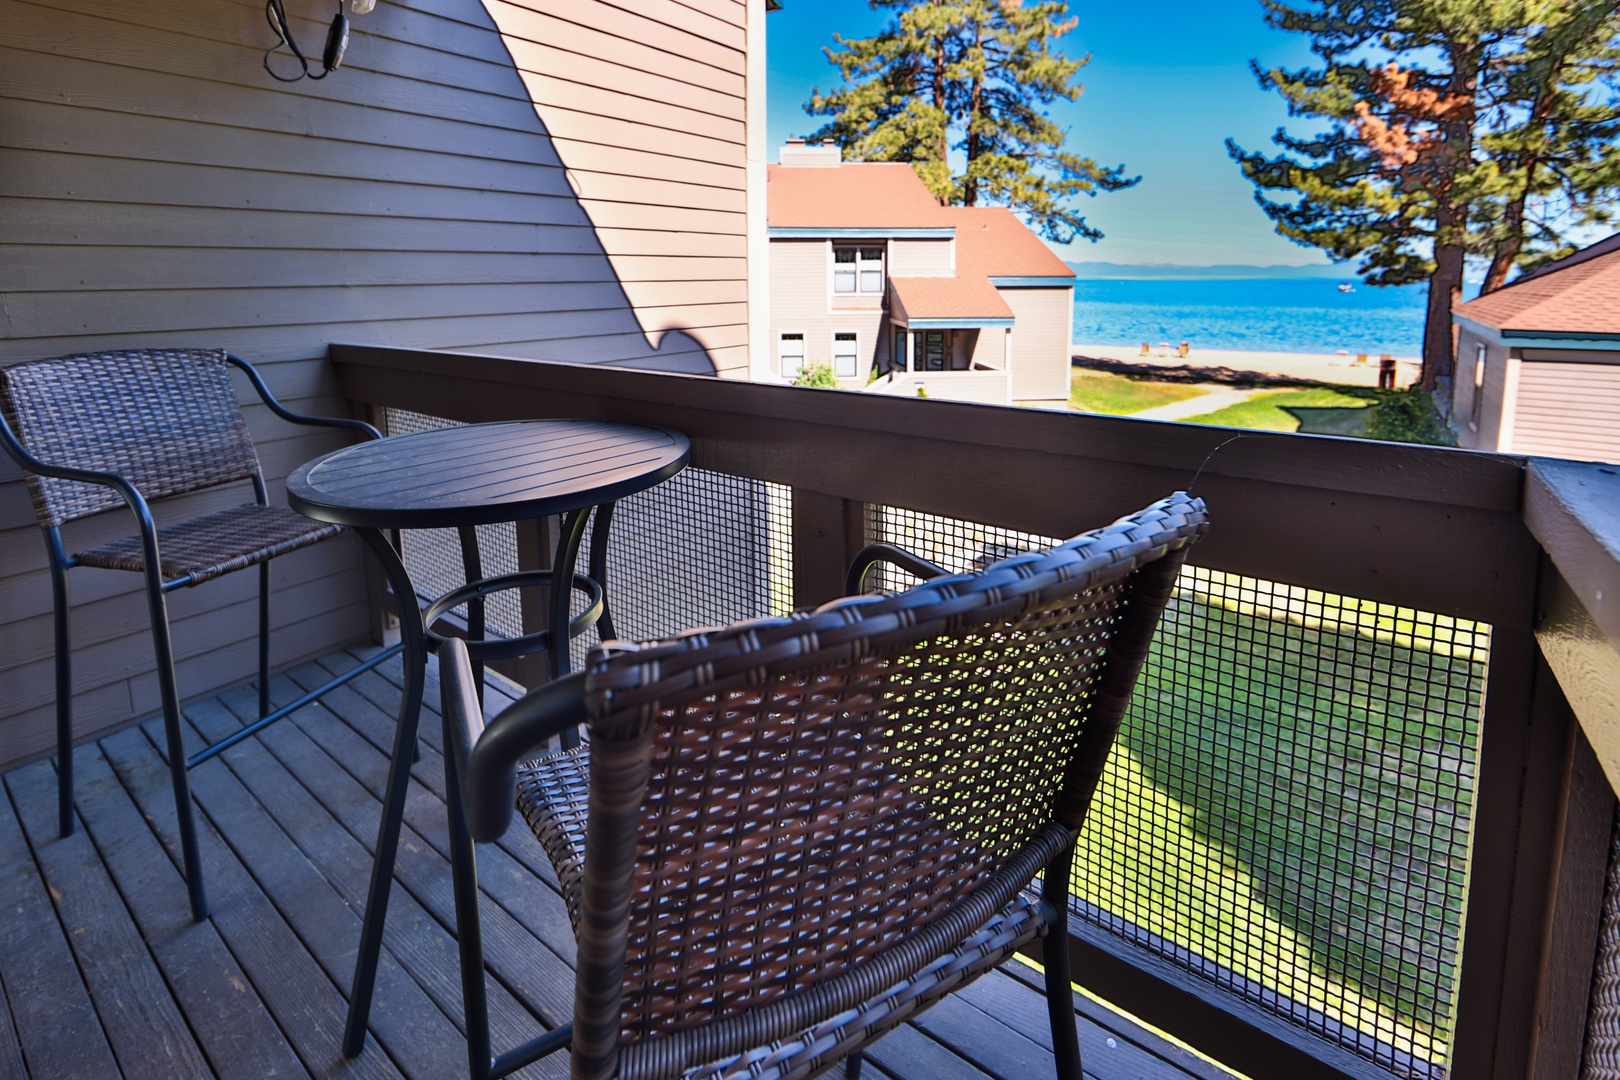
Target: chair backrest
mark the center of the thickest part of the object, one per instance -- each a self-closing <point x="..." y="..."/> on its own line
<point x="782" y="804"/>
<point x="166" y="420"/>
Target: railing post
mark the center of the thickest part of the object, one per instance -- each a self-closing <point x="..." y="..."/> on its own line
<point x="1575" y="911"/>
<point x="1542" y="814"/>
<point x="827" y="532"/>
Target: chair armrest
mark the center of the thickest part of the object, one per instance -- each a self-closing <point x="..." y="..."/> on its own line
<point x="872" y="554"/>
<point x="485" y="757"/>
<point x="298" y="418"/>
<point x="132" y="496"/>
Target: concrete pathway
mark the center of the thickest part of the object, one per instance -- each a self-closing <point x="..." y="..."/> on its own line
<point x="1198" y="406"/>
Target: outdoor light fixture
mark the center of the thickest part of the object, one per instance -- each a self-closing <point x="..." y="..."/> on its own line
<point x="337" y="40"/>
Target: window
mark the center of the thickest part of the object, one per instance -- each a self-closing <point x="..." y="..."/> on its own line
<point x="858" y="270"/>
<point x="846" y="355"/>
<point x="790" y="351"/>
<point x="1479" y="389"/>
<point x="844" y="270"/>
<point x="871" y="265"/>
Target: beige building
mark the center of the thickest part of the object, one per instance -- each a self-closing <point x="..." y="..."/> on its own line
<point x="1538" y="362"/>
<point x="870" y="274"/>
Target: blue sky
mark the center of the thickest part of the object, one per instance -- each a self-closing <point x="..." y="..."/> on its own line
<point x="1168" y="82"/>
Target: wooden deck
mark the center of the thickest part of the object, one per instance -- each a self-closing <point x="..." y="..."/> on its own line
<point x="104" y="974"/>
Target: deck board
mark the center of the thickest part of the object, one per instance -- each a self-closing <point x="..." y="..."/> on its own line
<point x="103" y="973"/>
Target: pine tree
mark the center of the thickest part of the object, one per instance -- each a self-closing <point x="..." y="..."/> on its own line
<point x="1455" y="128"/>
<point x="971" y="76"/>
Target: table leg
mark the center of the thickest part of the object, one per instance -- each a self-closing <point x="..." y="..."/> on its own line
<point x="472" y="564"/>
<point x="599" y="550"/>
<point x="562" y="590"/>
<point x="399" y="778"/>
<point x="562" y="594"/>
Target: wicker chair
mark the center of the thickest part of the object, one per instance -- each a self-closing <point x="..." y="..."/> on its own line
<point x="97" y="431"/>
<point x="788" y="836"/>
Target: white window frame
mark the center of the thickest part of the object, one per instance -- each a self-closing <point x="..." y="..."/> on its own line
<point x="782" y="339"/>
<point x="858" y="277"/>
<point x="862" y="269"/>
<point x="852" y="274"/>
<point x="854" y="353"/>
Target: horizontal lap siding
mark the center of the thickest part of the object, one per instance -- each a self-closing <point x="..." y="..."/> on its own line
<point x="1040" y="345"/>
<point x="158" y="188"/>
<point x="799" y="305"/>
<point x="646" y="104"/>
<point x="1568" y="410"/>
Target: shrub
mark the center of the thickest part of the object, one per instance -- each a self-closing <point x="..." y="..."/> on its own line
<point x="1408" y="416"/>
<point x="817" y="373"/>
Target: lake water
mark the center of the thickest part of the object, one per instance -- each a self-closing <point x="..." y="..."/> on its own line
<point x="1306" y="315"/>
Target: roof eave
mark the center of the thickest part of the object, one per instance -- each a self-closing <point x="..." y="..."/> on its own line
<point x="1540" y="339"/>
<point x="824" y="232"/>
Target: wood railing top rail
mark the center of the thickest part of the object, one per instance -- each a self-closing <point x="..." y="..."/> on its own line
<point x="1573" y="511"/>
<point x="1429" y="528"/>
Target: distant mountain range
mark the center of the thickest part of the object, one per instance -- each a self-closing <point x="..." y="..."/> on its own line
<point x="1126" y="271"/>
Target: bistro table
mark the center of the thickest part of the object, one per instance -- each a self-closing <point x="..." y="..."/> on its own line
<point x="460" y="478"/>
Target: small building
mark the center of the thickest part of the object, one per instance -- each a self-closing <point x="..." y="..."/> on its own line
<point x="868" y="272"/>
<point x="1538" y="361"/>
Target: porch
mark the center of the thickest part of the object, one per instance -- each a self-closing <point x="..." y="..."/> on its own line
<point x="106" y="975"/>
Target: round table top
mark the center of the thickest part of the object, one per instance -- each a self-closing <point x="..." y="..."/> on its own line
<point x="479" y="474"/>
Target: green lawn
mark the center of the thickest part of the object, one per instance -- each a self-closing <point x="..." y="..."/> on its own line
<point x="1315" y="410"/>
<point x="1290" y="799"/>
<point x="1121" y="395"/>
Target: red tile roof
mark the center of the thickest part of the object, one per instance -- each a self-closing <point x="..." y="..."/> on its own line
<point x="970" y="297"/>
<point x="990" y="240"/>
<point x="1577" y="295"/>
<point x="867" y="195"/>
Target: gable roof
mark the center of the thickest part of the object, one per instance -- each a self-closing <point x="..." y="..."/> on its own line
<point x="867" y="195"/>
<point x="1577" y="295"/>
<point x="963" y="297"/>
<point x="991" y="241"/>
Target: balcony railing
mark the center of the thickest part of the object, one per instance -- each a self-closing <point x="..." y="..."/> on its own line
<point x="1353" y="829"/>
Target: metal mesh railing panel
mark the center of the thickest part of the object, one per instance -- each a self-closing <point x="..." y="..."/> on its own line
<point x="1601" y="1056"/>
<point x="700" y="549"/>
<point x="1287" y="811"/>
<point x="433" y="556"/>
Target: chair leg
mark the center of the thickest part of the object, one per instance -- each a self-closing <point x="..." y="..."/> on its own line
<point x="169" y="691"/>
<point x="1059" y="984"/>
<point x="64" y="692"/>
<point x="264" y="639"/>
<point x="852" y="1065"/>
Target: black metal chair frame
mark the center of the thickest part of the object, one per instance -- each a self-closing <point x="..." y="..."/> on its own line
<point x="157" y="588"/>
<point x="480" y="779"/>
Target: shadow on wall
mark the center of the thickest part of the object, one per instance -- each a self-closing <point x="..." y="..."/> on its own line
<point x="599" y="297"/>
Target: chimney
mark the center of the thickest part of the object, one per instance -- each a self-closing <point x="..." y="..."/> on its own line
<point x="800" y="154"/>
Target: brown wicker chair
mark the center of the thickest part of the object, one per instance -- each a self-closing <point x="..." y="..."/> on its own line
<point x="788" y="836"/>
<point x="97" y="431"/>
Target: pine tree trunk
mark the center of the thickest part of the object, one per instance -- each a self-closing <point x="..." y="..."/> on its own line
<point x="1451" y="221"/>
<point x="975" y="139"/>
<point x="1445" y="292"/>
<point x="1507" y="249"/>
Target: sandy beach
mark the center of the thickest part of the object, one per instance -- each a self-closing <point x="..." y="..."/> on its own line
<point x="1232" y="366"/>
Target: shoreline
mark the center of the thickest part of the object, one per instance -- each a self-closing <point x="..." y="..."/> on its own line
<point x="1240" y="365"/>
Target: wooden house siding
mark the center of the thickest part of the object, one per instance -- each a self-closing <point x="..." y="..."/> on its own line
<point x="922" y="258"/>
<point x="647" y="108"/>
<point x="546" y="179"/>
<point x="1567" y="409"/>
<point x="1040" y="342"/>
<point x="1482" y="432"/>
<point x="800" y="305"/>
